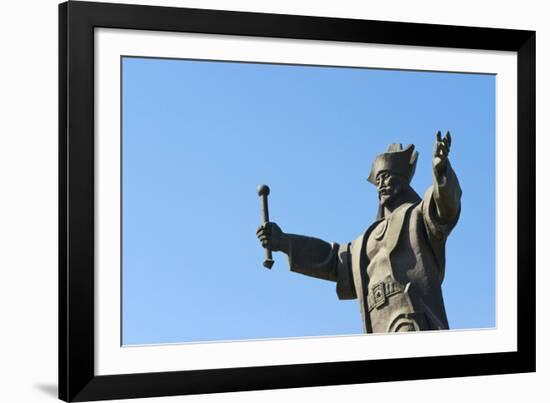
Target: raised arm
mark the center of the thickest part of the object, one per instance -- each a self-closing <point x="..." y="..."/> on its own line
<point x="446" y="189"/>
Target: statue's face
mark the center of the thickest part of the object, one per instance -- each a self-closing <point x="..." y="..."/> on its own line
<point x="389" y="186"/>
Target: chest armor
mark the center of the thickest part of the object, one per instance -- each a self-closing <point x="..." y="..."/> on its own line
<point x="389" y="305"/>
<point x="379" y="267"/>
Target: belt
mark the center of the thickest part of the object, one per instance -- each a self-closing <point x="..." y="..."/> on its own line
<point x="380" y="292"/>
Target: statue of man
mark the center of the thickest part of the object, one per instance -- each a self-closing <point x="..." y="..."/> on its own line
<point x="396" y="267"/>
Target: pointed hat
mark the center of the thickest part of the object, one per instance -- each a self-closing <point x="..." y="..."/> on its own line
<point x="396" y="160"/>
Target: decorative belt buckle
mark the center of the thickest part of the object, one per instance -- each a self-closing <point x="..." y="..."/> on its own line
<point x="379" y="292"/>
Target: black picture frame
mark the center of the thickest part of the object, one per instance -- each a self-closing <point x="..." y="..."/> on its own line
<point x="77" y="21"/>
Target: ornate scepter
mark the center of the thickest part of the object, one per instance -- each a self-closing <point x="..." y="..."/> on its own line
<point x="263" y="192"/>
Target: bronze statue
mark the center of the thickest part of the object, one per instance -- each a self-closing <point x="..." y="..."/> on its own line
<point x="396" y="267"/>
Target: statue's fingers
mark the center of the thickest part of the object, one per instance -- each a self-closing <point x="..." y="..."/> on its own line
<point x="260" y="229"/>
<point x="263" y="233"/>
<point x="444" y="149"/>
<point x="263" y="239"/>
<point x="438" y="136"/>
<point x="439" y="151"/>
<point x="436" y="147"/>
<point x="449" y="140"/>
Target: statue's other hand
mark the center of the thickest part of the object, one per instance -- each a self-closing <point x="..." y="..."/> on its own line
<point x="271" y="236"/>
<point x="442" y="148"/>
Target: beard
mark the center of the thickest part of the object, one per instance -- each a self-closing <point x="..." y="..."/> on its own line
<point x="388" y="197"/>
<point x="385" y="199"/>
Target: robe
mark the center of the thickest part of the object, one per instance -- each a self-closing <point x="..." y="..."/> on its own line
<point x="396" y="267"/>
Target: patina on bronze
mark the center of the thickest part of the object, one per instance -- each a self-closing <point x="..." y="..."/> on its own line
<point x="396" y="267"/>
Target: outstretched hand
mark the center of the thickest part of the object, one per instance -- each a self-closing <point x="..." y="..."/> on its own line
<point x="271" y="236"/>
<point x="441" y="151"/>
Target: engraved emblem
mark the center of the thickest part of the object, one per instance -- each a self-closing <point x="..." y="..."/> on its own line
<point x="379" y="295"/>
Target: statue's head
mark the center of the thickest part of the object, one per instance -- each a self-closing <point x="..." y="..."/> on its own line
<point x="392" y="172"/>
<point x="389" y="186"/>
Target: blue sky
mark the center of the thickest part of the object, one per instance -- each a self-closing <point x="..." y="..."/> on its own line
<point x="200" y="136"/>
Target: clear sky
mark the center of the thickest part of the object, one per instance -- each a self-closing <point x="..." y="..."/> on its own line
<point x="200" y="136"/>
